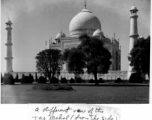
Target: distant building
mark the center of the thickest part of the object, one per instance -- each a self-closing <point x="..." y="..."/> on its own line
<point x="87" y="23"/>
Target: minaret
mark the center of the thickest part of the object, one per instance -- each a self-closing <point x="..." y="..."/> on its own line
<point x="9" y="44"/>
<point x="133" y="33"/>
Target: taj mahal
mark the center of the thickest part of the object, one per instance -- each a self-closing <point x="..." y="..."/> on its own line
<point x="85" y="22"/>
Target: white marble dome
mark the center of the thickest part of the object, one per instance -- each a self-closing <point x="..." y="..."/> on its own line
<point x="84" y="23"/>
<point x="60" y="35"/>
<point x="98" y="33"/>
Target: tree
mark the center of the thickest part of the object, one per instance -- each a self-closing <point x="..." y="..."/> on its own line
<point x="1" y="78"/>
<point x="92" y="54"/>
<point x="36" y="77"/>
<point x="97" y="56"/>
<point x="75" y="60"/>
<point x="16" y="78"/>
<point x="48" y="63"/>
<point x="140" y="56"/>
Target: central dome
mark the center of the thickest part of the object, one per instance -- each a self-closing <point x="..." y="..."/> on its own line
<point x="84" y="23"/>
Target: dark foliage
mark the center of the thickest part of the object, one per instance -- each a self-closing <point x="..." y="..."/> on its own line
<point x="91" y="81"/>
<point x="31" y="77"/>
<point x="90" y="54"/>
<point x="54" y="80"/>
<point x="19" y="80"/>
<point x="26" y="79"/>
<point x="48" y="63"/>
<point x="135" y="78"/>
<point x="75" y="60"/>
<point x="42" y="79"/>
<point x="16" y="78"/>
<point x="36" y="80"/>
<point x="78" y="80"/>
<point x="1" y="78"/>
<point x="101" y="80"/>
<point x="8" y="79"/>
<point x="64" y="80"/>
<point x="118" y="80"/>
<point x="72" y="80"/>
<point x="23" y="76"/>
<point x="97" y="56"/>
<point x="52" y="87"/>
<point x="140" y="56"/>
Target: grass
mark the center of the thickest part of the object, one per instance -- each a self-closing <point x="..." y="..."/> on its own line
<point x="81" y="94"/>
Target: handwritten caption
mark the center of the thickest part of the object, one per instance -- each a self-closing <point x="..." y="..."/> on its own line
<point x="77" y="112"/>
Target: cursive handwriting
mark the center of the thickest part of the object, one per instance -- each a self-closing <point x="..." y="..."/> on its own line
<point x="74" y="113"/>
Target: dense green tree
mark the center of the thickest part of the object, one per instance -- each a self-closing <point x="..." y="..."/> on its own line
<point x="140" y="56"/>
<point x="90" y="54"/>
<point x="48" y="62"/>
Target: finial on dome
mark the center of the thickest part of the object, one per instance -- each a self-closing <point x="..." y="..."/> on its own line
<point x="85" y="4"/>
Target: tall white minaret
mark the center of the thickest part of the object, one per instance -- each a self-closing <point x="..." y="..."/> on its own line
<point x="9" y="68"/>
<point x="133" y="33"/>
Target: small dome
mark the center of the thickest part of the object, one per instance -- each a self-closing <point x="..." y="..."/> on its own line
<point x="60" y="35"/>
<point x="8" y="22"/>
<point x="84" y="23"/>
<point x="98" y="33"/>
<point x="133" y="8"/>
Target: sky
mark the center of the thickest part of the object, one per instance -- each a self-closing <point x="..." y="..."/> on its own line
<point x="36" y="21"/>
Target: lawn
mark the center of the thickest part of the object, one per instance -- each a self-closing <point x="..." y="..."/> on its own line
<point x="81" y="94"/>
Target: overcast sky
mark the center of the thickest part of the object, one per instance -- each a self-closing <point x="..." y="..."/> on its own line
<point x="36" y="21"/>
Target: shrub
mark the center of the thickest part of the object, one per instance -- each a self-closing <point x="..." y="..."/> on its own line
<point x="64" y="80"/>
<point x="91" y="81"/>
<point x="52" y="87"/>
<point x="136" y="78"/>
<point x="54" y="80"/>
<point x="72" y="80"/>
<point x="64" y="87"/>
<point x="78" y="80"/>
<point x="118" y="80"/>
<point x="1" y="78"/>
<point x="36" y="77"/>
<point x="101" y="80"/>
<point x="22" y="77"/>
<point x="8" y="79"/>
<point x="19" y="80"/>
<point x="16" y="78"/>
<point x="31" y="77"/>
<point x="26" y="79"/>
<point x="42" y="79"/>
